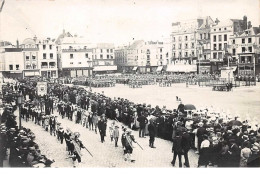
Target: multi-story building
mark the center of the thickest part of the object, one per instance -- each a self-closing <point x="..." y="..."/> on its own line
<point x="30" y="50"/>
<point x="47" y="58"/>
<point x="244" y="49"/>
<point x="220" y="36"/>
<point x="104" y="58"/>
<point x="185" y="37"/>
<point x="74" y="56"/>
<point x="144" y="56"/>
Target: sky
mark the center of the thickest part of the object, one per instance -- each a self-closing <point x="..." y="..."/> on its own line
<point x="113" y="21"/>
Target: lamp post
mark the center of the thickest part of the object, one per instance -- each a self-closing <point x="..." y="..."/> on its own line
<point x="20" y="102"/>
<point x="90" y="75"/>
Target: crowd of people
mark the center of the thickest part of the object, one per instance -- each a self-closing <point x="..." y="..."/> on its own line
<point x="220" y="140"/>
<point x="19" y="143"/>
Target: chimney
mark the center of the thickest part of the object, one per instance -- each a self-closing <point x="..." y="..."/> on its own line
<point x="249" y="25"/>
<point x="216" y="21"/>
<point x="245" y="23"/>
<point x="17" y="43"/>
<point x="63" y="32"/>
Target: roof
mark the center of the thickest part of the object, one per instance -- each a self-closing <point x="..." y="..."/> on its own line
<point x="136" y="44"/>
<point x="225" y="23"/>
<point x="28" y="41"/>
<point x="61" y="36"/>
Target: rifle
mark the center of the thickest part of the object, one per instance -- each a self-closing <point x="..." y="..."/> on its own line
<point x="139" y="145"/>
<point x="88" y="151"/>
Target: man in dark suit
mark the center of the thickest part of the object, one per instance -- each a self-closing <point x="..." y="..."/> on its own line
<point x="234" y="152"/>
<point x="177" y="149"/>
<point x="152" y="131"/>
<point x="143" y="121"/>
<point x="186" y="145"/>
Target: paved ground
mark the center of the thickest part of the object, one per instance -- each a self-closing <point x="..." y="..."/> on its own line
<point x="242" y="101"/>
<point x="105" y="154"/>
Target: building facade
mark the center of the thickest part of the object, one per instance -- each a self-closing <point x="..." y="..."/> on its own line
<point x="74" y="56"/>
<point x="47" y="58"/>
<point x="221" y="34"/>
<point x="244" y="49"/>
<point x="143" y="56"/>
<point x="104" y="58"/>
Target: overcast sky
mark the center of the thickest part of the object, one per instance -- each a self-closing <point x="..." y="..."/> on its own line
<point x="117" y="21"/>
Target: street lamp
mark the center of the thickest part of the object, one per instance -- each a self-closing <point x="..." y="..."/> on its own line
<point x="89" y="65"/>
<point x="20" y="101"/>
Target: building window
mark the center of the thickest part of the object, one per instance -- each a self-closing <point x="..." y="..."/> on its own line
<point x="71" y="56"/>
<point x="186" y="54"/>
<point x="243" y="41"/>
<point x="86" y="55"/>
<point x="111" y="50"/>
<point x="179" y="54"/>
<point x="233" y="52"/>
<point x="50" y="46"/>
<point x="186" y="46"/>
<point x="107" y="56"/>
<point x="44" y="55"/>
<point x="234" y="41"/>
<point x="51" y="55"/>
<point x="33" y="57"/>
<point x="179" y="38"/>
<point x="111" y="57"/>
<point x="219" y="47"/>
<point x="179" y="46"/>
<point x="174" y="54"/>
<point x="214" y="29"/>
<point x="201" y="36"/>
<point x="192" y="45"/>
<point x="243" y="49"/>
<point x="214" y="55"/>
<point x="173" y="39"/>
<point x="186" y="38"/>
<point x="219" y="29"/>
<point x="214" y="38"/>
<point x="250" y="49"/>
<point x="107" y="50"/>
<point x="71" y="62"/>
<point x="17" y="67"/>
<point x="27" y="57"/>
<point x="225" y="46"/>
<point x="101" y="56"/>
<point x="160" y="56"/>
<point x="220" y="55"/>
<point x="10" y="67"/>
<point x="101" y="50"/>
<point x="192" y="53"/>
<point x="249" y="40"/>
<point x="44" y="46"/>
<point x="225" y="28"/>
<point x="160" y="50"/>
<point x="225" y="37"/>
<point x="214" y="46"/>
<point x="219" y="38"/>
<point x="173" y="46"/>
<point x="79" y="62"/>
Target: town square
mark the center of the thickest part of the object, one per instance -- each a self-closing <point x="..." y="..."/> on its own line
<point x="91" y="91"/>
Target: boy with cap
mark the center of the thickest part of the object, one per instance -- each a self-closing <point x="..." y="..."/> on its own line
<point x="116" y="135"/>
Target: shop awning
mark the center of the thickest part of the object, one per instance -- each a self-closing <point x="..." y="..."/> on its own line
<point x="135" y="68"/>
<point x="159" y="68"/>
<point x="181" y="68"/>
<point x="105" y="68"/>
<point x="32" y="73"/>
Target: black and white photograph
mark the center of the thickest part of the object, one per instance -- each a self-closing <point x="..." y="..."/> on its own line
<point x="129" y="84"/>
